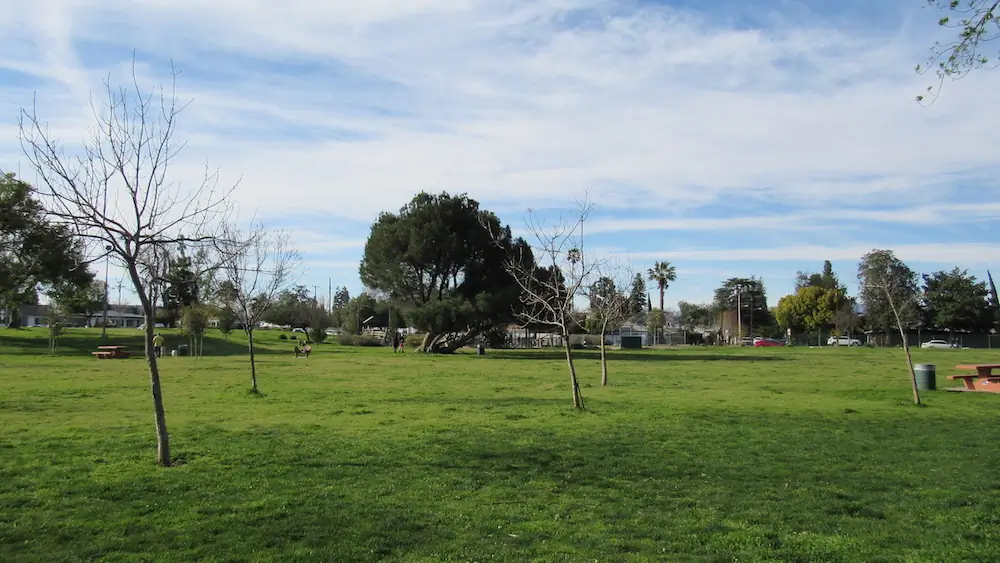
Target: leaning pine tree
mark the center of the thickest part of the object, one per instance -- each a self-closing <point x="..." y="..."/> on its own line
<point x="434" y="259"/>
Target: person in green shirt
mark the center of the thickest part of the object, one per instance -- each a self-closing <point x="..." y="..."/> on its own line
<point x="158" y="345"/>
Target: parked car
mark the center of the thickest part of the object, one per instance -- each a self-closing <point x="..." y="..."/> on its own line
<point x="762" y="342"/>
<point x="298" y="329"/>
<point x="842" y="341"/>
<point x="156" y="325"/>
<point x="937" y="344"/>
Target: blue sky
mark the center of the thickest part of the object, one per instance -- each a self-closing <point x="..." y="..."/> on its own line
<point x="730" y="138"/>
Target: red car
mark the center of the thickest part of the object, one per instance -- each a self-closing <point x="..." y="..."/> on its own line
<point x="766" y="342"/>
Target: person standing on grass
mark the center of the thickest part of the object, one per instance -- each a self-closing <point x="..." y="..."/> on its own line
<point x="158" y="345"/>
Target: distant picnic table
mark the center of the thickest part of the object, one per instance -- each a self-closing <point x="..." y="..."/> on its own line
<point x="111" y="352"/>
<point x="983" y="380"/>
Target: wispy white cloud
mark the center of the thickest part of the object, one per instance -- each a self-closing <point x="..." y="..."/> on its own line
<point x="345" y="109"/>
<point x="967" y="254"/>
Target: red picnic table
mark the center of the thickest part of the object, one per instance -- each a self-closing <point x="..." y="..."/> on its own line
<point x="983" y="380"/>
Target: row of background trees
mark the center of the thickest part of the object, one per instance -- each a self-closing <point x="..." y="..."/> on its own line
<point x="944" y="301"/>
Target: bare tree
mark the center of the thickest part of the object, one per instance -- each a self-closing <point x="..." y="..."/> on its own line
<point x="889" y="292"/>
<point x="117" y="193"/>
<point x="550" y="274"/>
<point x="257" y="266"/>
<point x="610" y="304"/>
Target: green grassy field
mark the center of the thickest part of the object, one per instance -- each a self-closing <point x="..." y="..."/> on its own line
<point x="357" y="454"/>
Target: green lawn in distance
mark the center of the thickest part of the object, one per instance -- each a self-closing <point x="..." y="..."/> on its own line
<point x="359" y="454"/>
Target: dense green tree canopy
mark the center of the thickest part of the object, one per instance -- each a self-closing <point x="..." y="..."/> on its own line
<point x="826" y="280"/>
<point x="637" y="297"/>
<point x="693" y="315"/>
<point x="752" y="297"/>
<point x="34" y="253"/>
<point x="290" y="308"/>
<point x="812" y="307"/>
<point x="956" y="301"/>
<point x="438" y="258"/>
<point x="181" y="288"/>
<point x="888" y="287"/>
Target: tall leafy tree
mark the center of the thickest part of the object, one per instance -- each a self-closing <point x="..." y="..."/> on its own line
<point x="637" y="297"/>
<point x="357" y="309"/>
<point x="890" y="295"/>
<point x="341" y="297"/>
<point x="662" y="274"/>
<point x="746" y="296"/>
<point x="694" y="315"/>
<point x="290" y="307"/>
<point x="609" y="307"/>
<point x="437" y="257"/>
<point x="76" y="300"/>
<point x="826" y="280"/>
<point x="810" y="308"/>
<point x="994" y="299"/>
<point x="180" y="287"/>
<point x="34" y="253"/>
<point x="956" y="301"/>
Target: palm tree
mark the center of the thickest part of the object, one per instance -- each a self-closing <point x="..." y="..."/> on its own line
<point x="662" y="273"/>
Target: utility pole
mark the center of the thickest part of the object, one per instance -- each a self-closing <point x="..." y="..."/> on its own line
<point x="107" y="258"/>
<point x="329" y="296"/>
<point x="739" y="314"/>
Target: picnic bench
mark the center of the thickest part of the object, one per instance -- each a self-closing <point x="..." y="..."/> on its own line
<point x="110" y="352"/>
<point x="983" y="380"/>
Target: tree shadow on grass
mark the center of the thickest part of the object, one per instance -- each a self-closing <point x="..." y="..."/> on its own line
<point x="615" y="355"/>
<point x="12" y="342"/>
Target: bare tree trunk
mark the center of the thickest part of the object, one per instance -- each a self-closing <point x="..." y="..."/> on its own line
<point x="253" y="363"/>
<point x="577" y="395"/>
<point x="913" y="374"/>
<point x="604" y="355"/>
<point x="906" y="349"/>
<point x="159" y="416"/>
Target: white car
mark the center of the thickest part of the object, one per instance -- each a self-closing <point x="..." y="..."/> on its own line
<point x="298" y="329"/>
<point x="155" y="325"/>
<point x="936" y="344"/>
<point x="842" y="341"/>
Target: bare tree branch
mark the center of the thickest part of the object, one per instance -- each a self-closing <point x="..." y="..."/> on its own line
<point x="551" y="274"/>
<point x="610" y="302"/>
<point x="257" y="266"/>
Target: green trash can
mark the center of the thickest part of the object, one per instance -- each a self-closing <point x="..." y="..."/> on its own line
<point x="183" y="350"/>
<point x="631" y="343"/>
<point x="926" y="376"/>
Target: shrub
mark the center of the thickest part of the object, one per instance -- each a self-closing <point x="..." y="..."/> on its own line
<point x="317" y="334"/>
<point x="293" y="337"/>
<point x="282" y="337"/>
<point x="347" y="340"/>
<point x="367" y="340"/>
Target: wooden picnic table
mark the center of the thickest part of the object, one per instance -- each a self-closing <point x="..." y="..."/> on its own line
<point x="983" y="380"/>
<point x="109" y="352"/>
